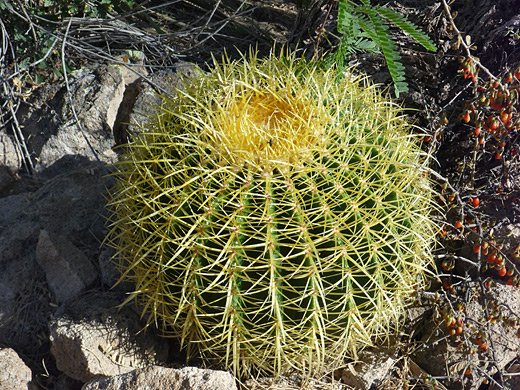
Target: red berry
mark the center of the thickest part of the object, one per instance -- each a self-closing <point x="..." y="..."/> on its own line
<point x="509" y="77"/>
<point x="502" y="271"/>
<point x="476" y="202"/>
<point x="491" y="258"/>
<point x="465" y="117"/>
<point x="458" y="224"/>
<point x="510" y="281"/>
<point x="476" y="131"/>
<point x="493" y="125"/>
<point x="476" y="248"/>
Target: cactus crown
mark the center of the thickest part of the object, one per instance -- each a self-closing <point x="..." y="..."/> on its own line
<point x="273" y="215"/>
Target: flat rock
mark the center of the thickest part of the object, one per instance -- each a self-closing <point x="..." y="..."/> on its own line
<point x="14" y="374"/>
<point x="160" y="378"/>
<point x="91" y="338"/>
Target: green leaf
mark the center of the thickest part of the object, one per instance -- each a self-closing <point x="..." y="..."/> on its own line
<point x="344" y="17"/>
<point x="408" y="27"/>
<point x="381" y="36"/>
<point x="364" y="29"/>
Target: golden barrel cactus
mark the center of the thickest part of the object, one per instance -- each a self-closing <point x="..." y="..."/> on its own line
<point x="274" y="215"/>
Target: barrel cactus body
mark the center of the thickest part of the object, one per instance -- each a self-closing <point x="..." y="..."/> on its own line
<point x="273" y="215"/>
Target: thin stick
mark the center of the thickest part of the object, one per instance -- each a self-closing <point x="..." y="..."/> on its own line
<point x="463" y="42"/>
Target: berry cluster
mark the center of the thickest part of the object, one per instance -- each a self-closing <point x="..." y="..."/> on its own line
<point x="493" y="110"/>
<point x="496" y="260"/>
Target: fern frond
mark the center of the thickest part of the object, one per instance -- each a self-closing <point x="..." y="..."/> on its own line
<point x="380" y="34"/>
<point x="362" y="23"/>
<point x="345" y="10"/>
<point x="408" y="27"/>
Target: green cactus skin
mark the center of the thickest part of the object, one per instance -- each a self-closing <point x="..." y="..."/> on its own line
<point x="274" y="216"/>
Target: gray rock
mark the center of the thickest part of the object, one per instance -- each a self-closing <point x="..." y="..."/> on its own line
<point x="370" y="371"/>
<point x="91" y="338"/>
<point x="11" y="206"/>
<point x="14" y="374"/>
<point x="51" y="129"/>
<point x="161" y="378"/>
<point x="110" y="273"/>
<point x="24" y="297"/>
<point x="71" y="203"/>
<point x="149" y="98"/>
<point x="9" y="156"/>
<point x="7" y="179"/>
<point x="67" y="202"/>
<point x="67" y="269"/>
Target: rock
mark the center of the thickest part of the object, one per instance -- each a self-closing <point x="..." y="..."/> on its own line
<point x="66" y="200"/>
<point x="110" y="273"/>
<point x="119" y="112"/>
<point x="149" y="96"/>
<point x="370" y="371"/>
<point x="51" y="130"/>
<point x="14" y="374"/>
<point x="24" y="297"/>
<point x="91" y="338"/>
<point x="7" y="179"/>
<point x="9" y="156"/>
<point x="67" y="269"/>
<point x="11" y="207"/>
<point x="160" y="378"/>
<point x="71" y="203"/>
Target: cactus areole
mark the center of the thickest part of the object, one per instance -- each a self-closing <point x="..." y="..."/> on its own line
<point x="273" y="215"/>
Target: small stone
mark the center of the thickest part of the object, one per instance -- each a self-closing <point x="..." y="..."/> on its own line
<point x="370" y="371"/>
<point x="160" y="378"/>
<point x="9" y="156"/>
